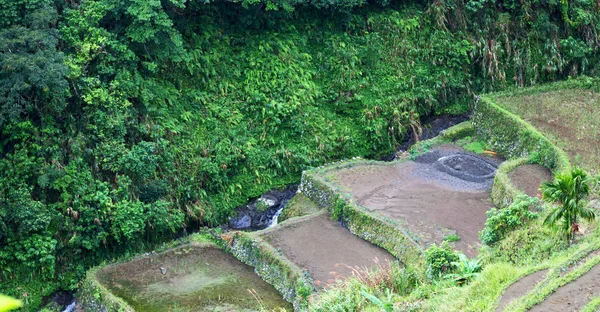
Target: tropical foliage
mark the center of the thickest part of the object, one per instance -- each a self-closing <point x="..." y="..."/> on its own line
<point x="125" y="123"/>
<point x="570" y="190"/>
<point x="439" y="260"/>
<point x="501" y="221"/>
<point x="8" y="303"/>
<point x="466" y="269"/>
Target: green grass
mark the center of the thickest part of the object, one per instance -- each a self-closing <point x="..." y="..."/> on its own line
<point x="592" y="306"/>
<point x="484" y="292"/>
<point x="298" y="206"/>
<point x="452" y="238"/>
<point x="569" y="118"/>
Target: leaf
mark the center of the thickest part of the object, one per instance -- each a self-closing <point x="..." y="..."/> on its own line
<point x="8" y="303"/>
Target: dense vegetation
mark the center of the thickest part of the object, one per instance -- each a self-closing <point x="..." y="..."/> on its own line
<point x="124" y="122"/>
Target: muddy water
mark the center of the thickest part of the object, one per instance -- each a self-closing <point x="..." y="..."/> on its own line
<point x="191" y="278"/>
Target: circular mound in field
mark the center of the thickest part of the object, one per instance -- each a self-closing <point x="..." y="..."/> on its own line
<point x="466" y="167"/>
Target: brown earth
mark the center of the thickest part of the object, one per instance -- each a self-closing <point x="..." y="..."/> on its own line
<point x="528" y="178"/>
<point x="328" y="251"/>
<point x="573" y="296"/>
<point x="430" y="208"/>
<point x="520" y="288"/>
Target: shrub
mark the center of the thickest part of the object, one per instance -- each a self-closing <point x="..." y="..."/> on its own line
<point x="439" y="260"/>
<point x="530" y="244"/>
<point x="502" y="221"/>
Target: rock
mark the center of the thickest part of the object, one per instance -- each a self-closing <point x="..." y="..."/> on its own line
<point x="163" y="271"/>
<point x="259" y="213"/>
<point x="241" y="221"/>
<point x="269" y="201"/>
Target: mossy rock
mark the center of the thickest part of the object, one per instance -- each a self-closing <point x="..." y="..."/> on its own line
<point x="298" y="206"/>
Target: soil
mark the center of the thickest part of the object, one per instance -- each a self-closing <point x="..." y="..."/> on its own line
<point x="528" y="178"/>
<point x="190" y="278"/>
<point x="520" y="288"/>
<point x="431" y="204"/>
<point x="324" y="248"/>
<point x="573" y="296"/>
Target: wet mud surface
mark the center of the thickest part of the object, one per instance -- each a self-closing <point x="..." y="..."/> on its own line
<point x="520" y="288"/>
<point x="191" y="278"/>
<point x="328" y="251"/>
<point x="528" y="178"/>
<point x="429" y="202"/>
<point x="573" y="296"/>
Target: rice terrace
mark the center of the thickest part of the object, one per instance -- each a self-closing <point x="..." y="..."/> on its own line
<point x="299" y="156"/>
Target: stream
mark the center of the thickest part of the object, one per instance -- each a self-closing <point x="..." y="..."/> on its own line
<point x="262" y="212"/>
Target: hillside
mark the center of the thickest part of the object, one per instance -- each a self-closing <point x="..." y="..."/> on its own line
<point x="124" y="124"/>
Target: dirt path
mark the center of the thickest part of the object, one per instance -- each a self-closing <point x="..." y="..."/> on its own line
<point x="430" y="203"/>
<point x="573" y="296"/>
<point x="528" y="178"/>
<point x="325" y="249"/>
<point x="520" y="288"/>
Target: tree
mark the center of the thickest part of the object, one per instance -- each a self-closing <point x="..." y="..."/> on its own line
<point x="569" y="189"/>
<point x="32" y="82"/>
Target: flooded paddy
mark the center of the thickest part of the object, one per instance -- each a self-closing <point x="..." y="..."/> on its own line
<point x="327" y="250"/>
<point x="191" y="278"/>
<point x="443" y="192"/>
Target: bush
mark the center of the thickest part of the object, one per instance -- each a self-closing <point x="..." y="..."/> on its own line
<point x="530" y="244"/>
<point x="502" y="221"/>
<point x="439" y="260"/>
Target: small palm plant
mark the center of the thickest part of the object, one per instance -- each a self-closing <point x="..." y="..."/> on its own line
<point x="570" y="190"/>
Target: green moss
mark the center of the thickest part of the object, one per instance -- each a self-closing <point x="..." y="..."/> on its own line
<point x="294" y="285"/>
<point x="511" y="136"/>
<point x="298" y="206"/>
<point x="93" y="296"/>
<point x="475" y="147"/>
<point x="461" y="130"/>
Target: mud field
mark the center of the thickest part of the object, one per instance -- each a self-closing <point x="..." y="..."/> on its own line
<point x="528" y="178"/>
<point x="328" y="251"/>
<point x="191" y="278"/>
<point x="443" y="192"/>
<point x="520" y="288"/>
<point x="573" y="296"/>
